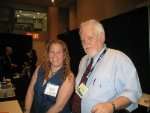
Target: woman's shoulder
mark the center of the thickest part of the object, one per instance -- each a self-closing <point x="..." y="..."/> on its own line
<point x="38" y="69"/>
<point x="70" y="76"/>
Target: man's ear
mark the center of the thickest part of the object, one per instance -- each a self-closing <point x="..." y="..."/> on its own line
<point x="102" y="37"/>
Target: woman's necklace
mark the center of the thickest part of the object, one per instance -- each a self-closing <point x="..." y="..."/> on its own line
<point x="51" y="73"/>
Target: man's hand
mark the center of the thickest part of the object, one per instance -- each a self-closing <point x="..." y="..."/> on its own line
<point x="103" y="108"/>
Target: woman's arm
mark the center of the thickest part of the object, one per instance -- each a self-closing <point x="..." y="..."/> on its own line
<point x="30" y="92"/>
<point x="64" y="95"/>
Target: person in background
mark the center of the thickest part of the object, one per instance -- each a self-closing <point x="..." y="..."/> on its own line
<point x="1" y="68"/>
<point x="9" y="65"/>
<point x="52" y="83"/>
<point x="107" y="80"/>
<point x="29" y="65"/>
<point x="32" y="59"/>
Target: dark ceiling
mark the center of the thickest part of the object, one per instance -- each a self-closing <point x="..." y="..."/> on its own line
<point x="40" y="3"/>
<point x="8" y="10"/>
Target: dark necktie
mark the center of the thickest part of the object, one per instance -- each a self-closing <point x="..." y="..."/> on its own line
<point x="87" y="71"/>
<point x="76" y="100"/>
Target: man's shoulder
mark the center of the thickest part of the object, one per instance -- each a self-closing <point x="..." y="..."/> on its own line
<point x="116" y="52"/>
<point x="119" y="55"/>
<point x="84" y="58"/>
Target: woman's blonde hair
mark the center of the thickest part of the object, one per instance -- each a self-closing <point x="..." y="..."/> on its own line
<point x="66" y="65"/>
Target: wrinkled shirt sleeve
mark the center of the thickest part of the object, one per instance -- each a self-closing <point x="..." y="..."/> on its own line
<point x="127" y="81"/>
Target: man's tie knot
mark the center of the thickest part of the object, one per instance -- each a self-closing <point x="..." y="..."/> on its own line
<point x="90" y="65"/>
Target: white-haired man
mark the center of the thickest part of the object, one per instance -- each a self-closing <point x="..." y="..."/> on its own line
<point x="111" y="83"/>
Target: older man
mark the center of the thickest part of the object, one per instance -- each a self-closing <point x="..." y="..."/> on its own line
<point x="110" y="82"/>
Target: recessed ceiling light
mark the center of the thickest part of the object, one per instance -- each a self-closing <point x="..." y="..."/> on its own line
<point x="18" y="15"/>
<point x="37" y="13"/>
<point x="52" y="1"/>
<point x="20" y="11"/>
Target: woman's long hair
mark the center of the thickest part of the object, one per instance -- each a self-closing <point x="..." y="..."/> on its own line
<point x="46" y="66"/>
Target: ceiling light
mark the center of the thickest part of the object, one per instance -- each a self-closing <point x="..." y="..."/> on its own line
<point x="52" y="1"/>
<point x="37" y="13"/>
<point x="20" y="11"/>
<point x="18" y="15"/>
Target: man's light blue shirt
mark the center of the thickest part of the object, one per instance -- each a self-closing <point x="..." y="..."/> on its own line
<point x="113" y="76"/>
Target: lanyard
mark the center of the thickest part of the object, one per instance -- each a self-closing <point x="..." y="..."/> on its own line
<point x="99" y="59"/>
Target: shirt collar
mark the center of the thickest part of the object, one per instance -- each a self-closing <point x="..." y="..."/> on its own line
<point x="95" y="58"/>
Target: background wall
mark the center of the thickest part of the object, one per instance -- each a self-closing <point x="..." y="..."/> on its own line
<point x="102" y="9"/>
<point x="40" y="47"/>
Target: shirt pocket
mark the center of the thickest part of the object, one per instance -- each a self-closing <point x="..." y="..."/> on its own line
<point x="101" y="89"/>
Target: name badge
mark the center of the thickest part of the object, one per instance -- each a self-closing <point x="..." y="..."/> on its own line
<point x="51" y="89"/>
<point x="81" y="90"/>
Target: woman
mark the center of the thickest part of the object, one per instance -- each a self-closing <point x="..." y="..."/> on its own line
<point x="52" y="83"/>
